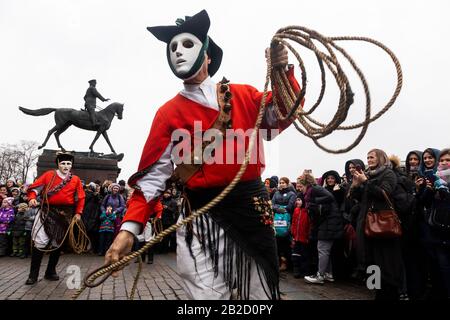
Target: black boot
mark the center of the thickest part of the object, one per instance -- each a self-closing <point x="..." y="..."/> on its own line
<point x="50" y="273"/>
<point x="36" y="258"/>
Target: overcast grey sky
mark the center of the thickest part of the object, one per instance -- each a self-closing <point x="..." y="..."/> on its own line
<point x="50" y="49"/>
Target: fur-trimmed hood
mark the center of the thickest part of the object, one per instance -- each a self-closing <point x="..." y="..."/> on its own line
<point x="395" y="162"/>
<point x="333" y="173"/>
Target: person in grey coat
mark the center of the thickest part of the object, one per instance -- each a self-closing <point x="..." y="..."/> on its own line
<point x="30" y="214"/>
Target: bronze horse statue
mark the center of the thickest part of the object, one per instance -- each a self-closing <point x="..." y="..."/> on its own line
<point x="65" y="117"/>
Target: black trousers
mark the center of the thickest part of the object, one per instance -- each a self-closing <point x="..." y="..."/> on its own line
<point x="4" y="243"/>
<point x="105" y="241"/>
<point x="283" y="245"/>
<point x="36" y="259"/>
<point x="27" y="243"/>
<point x="94" y="238"/>
<point x="148" y="253"/>
<point x="300" y="259"/>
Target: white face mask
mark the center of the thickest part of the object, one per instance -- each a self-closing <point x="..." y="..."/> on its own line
<point x="184" y="49"/>
<point x="64" y="167"/>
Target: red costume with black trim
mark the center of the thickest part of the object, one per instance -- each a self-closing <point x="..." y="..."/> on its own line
<point x="181" y="112"/>
<point x="231" y="247"/>
<point x="72" y="194"/>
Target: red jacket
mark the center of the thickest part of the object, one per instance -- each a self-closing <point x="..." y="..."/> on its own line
<point x="71" y="194"/>
<point x="300" y="225"/>
<point x="180" y="112"/>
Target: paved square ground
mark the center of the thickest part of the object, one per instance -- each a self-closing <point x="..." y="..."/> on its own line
<point x="158" y="281"/>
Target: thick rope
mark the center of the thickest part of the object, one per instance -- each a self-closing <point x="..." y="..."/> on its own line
<point x="79" y="242"/>
<point x="307" y="125"/>
<point x="292" y="102"/>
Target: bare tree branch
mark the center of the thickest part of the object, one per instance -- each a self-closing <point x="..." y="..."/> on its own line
<point x="18" y="160"/>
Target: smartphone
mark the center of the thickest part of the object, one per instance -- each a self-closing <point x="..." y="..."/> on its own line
<point x="358" y="168"/>
<point x="430" y="176"/>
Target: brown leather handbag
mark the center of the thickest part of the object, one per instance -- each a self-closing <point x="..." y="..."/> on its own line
<point x="383" y="224"/>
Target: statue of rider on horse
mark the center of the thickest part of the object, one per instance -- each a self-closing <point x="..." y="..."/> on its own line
<point x="87" y="119"/>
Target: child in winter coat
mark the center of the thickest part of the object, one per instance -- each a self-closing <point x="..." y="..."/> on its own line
<point x="15" y="193"/>
<point x="106" y="230"/>
<point x="18" y="231"/>
<point x="300" y="236"/>
<point x="30" y="214"/>
<point x="6" y="218"/>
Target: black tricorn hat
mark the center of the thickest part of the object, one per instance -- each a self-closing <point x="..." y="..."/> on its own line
<point x="64" y="156"/>
<point x="197" y="25"/>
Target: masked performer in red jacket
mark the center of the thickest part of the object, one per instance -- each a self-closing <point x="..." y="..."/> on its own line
<point x="61" y="196"/>
<point x="232" y="248"/>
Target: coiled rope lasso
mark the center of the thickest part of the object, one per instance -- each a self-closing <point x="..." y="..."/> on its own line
<point x="304" y="122"/>
<point x="294" y="111"/>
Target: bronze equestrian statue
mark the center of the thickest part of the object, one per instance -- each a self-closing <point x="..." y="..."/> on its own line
<point x="65" y="117"/>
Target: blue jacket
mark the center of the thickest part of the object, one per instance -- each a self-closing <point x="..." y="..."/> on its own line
<point x="284" y="199"/>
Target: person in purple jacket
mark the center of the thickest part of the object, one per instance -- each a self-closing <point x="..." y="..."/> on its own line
<point x="6" y="218"/>
<point x="117" y="202"/>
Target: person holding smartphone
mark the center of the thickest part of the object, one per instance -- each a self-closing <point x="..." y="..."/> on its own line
<point x="367" y="188"/>
<point x="427" y="170"/>
<point x="430" y="239"/>
<point x="351" y="214"/>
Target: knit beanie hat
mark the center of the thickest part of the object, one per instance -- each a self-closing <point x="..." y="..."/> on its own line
<point x="112" y="185"/>
<point x="9" y="200"/>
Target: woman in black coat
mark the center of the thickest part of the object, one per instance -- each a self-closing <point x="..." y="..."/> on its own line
<point x="384" y="253"/>
<point x="355" y="248"/>
<point x="327" y="225"/>
<point x="91" y="214"/>
<point x="342" y="257"/>
<point x="434" y="197"/>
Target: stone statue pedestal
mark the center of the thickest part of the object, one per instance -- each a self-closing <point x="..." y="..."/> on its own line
<point x="88" y="166"/>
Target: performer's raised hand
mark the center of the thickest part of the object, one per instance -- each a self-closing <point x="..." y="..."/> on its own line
<point x="32" y="203"/>
<point x="279" y="55"/>
<point x="121" y="246"/>
<point x="77" y="217"/>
